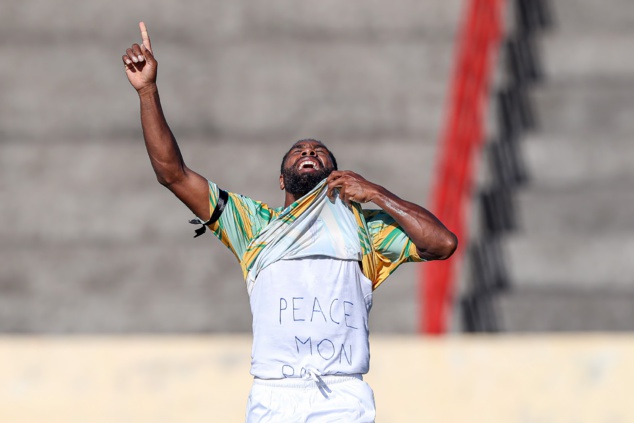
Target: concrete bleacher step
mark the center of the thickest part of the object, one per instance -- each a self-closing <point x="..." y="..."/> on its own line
<point x="597" y="110"/>
<point x="581" y="17"/>
<point x="587" y="159"/>
<point x="574" y="57"/>
<point x="552" y="308"/>
<point x="195" y="22"/>
<point x="593" y="209"/>
<point x="571" y="260"/>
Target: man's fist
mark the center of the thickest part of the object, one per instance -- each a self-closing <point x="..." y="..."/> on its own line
<point x="140" y="64"/>
<point x="352" y="187"/>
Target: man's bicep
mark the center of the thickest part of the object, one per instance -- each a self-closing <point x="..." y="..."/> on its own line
<point x="193" y="191"/>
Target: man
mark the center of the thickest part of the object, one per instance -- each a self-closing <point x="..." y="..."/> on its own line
<point x="310" y="266"/>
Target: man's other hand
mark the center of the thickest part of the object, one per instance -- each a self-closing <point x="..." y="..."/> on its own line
<point x="140" y="64"/>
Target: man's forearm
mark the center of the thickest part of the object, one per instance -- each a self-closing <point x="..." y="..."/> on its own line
<point x="161" y="145"/>
<point x="432" y="239"/>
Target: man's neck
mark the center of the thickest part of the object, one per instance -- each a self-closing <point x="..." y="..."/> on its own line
<point x="289" y="199"/>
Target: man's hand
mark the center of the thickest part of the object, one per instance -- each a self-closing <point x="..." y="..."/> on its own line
<point x="352" y="187"/>
<point x="140" y="64"/>
<point x="432" y="239"/>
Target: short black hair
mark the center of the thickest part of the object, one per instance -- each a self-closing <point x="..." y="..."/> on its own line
<point x="332" y="156"/>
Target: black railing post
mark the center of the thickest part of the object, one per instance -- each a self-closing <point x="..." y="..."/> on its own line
<point x="499" y="215"/>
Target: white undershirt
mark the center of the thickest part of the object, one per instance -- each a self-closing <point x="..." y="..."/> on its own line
<point x="310" y="314"/>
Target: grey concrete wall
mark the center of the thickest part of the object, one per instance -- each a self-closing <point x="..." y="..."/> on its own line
<point x="89" y="242"/>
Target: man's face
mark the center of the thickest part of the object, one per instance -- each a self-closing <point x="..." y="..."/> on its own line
<point x="306" y="164"/>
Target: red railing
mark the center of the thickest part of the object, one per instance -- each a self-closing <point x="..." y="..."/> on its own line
<point x="459" y="146"/>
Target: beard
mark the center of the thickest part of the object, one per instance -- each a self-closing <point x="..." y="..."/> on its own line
<point x="301" y="184"/>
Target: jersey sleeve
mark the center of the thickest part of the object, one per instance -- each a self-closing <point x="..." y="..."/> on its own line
<point x="392" y="246"/>
<point x="240" y="222"/>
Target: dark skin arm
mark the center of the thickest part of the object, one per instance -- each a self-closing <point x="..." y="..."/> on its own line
<point x="165" y="156"/>
<point x="432" y="239"/>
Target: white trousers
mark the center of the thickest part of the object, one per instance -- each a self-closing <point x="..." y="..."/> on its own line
<point x="333" y="399"/>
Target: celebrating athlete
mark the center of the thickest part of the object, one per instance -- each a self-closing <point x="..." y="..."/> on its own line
<point x="310" y="266"/>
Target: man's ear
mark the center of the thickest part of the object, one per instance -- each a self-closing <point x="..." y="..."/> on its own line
<point x="282" y="182"/>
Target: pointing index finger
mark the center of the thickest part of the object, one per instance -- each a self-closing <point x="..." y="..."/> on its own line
<point x="145" y="36"/>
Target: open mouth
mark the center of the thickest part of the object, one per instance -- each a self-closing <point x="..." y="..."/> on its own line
<point x="308" y="164"/>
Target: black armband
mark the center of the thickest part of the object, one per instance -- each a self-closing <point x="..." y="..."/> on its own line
<point x="223" y="197"/>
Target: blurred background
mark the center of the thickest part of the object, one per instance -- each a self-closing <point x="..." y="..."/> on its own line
<point x="110" y="311"/>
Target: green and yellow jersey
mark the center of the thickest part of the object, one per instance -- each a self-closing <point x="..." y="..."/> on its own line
<point x="385" y="244"/>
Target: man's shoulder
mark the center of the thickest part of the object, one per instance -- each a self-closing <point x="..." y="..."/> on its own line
<point x="251" y="207"/>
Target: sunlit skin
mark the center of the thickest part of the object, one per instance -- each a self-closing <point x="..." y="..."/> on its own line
<point x="432" y="239"/>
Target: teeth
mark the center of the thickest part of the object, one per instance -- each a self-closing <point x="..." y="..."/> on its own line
<point x="308" y="163"/>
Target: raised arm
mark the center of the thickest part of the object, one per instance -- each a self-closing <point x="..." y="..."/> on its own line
<point x="165" y="156"/>
<point x="432" y="239"/>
